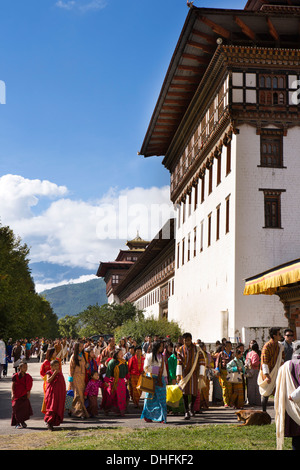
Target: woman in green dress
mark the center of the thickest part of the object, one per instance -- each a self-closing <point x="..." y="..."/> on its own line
<point x="116" y="376"/>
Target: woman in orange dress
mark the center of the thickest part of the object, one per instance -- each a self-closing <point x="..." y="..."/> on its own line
<point x="77" y="380"/>
<point x="135" y="369"/>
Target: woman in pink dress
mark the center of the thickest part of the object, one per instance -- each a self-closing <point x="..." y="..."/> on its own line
<point x="252" y="364"/>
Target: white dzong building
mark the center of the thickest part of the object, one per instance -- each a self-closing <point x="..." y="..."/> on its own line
<point x="227" y="123"/>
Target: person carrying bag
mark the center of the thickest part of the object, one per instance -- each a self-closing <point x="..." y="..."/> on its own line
<point x="146" y="383"/>
<point x="235" y="370"/>
<point x="155" y="403"/>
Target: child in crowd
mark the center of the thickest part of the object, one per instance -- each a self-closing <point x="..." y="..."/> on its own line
<point x="92" y="364"/>
<point x="91" y="393"/>
<point x="21" y="406"/>
<point x="236" y="365"/>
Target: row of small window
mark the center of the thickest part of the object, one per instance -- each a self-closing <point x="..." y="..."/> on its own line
<point x="272" y="218"/>
<point x="264" y="80"/>
<point x="115" y="278"/>
<point x="186" y="208"/>
<point x="131" y="258"/>
<point x="264" y="97"/>
<point x="265" y="89"/>
<point x="187" y="251"/>
<point x="271" y="156"/>
<point x="157" y="295"/>
<point x="149" y="299"/>
<point x="203" y="130"/>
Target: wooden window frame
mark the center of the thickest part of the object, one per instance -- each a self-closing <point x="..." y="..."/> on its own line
<point x="115" y="279"/>
<point x="218" y="212"/>
<point x="178" y="216"/>
<point x="189" y="204"/>
<point x="271" y="138"/>
<point x="201" y="236"/>
<point x="228" y="158"/>
<point x="227" y="220"/>
<point x="209" y="229"/>
<point x="195" y="196"/>
<point x="203" y="188"/>
<point x="219" y="169"/>
<point x="210" y="182"/>
<point x="272" y="208"/>
<point x="272" y="89"/>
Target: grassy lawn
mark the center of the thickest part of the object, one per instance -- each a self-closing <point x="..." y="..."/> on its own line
<point x="218" y="437"/>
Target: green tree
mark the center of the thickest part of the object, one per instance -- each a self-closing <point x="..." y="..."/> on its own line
<point x="23" y="313"/>
<point x="148" y="326"/>
<point x="68" y="327"/>
<point x="106" y="318"/>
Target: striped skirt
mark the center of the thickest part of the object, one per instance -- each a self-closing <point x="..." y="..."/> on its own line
<point x="238" y="396"/>
<point x="226" y="387"/>
<point x="134" y="392"/>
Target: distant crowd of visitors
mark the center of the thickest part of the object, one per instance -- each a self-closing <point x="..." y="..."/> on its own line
<point x="184" y="376"/>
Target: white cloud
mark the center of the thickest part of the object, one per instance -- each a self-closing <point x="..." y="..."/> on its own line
<point x="80" y="233"/>
<point x="39" y="287"/>
<point x="65" y="5"/>
<point x="18" y="195"/>
<point x="92" y="5"/>
<point x="81" y="5"/>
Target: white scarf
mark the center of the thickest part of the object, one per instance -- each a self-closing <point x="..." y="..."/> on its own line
<point x="284" y="388"/>
<point x="265" y="388"/>
<point x="185" y="380"/>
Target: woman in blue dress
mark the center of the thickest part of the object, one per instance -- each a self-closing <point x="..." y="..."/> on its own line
<point x="155" y="405"/>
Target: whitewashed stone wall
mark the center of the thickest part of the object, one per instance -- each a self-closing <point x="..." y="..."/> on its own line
<point x="208" y="299"/>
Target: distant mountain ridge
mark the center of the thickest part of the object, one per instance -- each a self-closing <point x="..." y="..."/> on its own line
<point x="71" y="299"/>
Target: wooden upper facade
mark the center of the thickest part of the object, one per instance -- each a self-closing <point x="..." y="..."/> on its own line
<point x="137" y="272"/>
<point x="114" y="272"/>
<point x="229" y="67"/>
<point x="153" y="269"/>
<point x="255" y="5"/>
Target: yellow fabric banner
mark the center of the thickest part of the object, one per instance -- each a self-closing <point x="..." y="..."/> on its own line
<point x="270" y="281"/>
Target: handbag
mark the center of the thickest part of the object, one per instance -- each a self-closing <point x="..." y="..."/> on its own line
<point x="69" y="400"/>
<point x="146" y="383"/>
<point x="17" y="363"/>
<point x="249" y="373"/>
<point x="210" y="374"/>
<point x="173" y="394"/>
<point x="234" y="377"/>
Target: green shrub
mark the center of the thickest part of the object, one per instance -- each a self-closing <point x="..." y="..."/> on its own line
<point x="148" y="326"/>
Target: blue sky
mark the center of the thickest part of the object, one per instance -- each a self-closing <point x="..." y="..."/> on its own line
<point x="82" y="78"/>
<point x="81" y="87"/>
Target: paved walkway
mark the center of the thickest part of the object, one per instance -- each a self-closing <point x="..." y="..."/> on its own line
<point x="215" y="415"/>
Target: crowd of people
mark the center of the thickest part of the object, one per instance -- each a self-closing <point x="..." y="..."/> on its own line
<point x="229" y="376"/>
